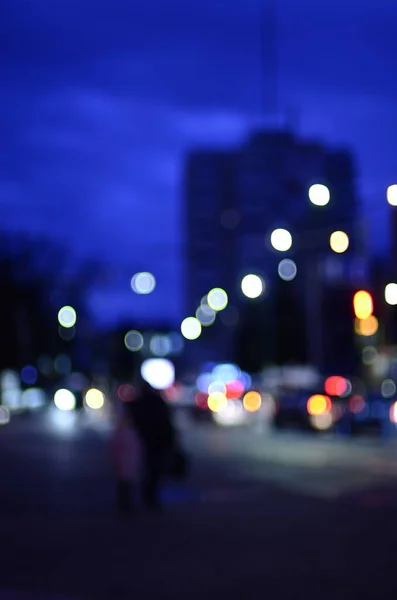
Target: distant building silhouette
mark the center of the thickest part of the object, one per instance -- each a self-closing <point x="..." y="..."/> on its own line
<point x="235" y="199"/>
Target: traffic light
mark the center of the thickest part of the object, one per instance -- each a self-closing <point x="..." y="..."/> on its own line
<point x="363" y="304"/>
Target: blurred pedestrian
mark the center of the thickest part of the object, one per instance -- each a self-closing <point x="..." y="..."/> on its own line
<point x="151" y="417"/>
<point x="126" y="458"/>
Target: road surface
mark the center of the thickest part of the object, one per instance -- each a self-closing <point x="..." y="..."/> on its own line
<point x="263" y="515"/>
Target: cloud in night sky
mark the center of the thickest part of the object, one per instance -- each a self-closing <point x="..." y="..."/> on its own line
<point x="101" y="101"/>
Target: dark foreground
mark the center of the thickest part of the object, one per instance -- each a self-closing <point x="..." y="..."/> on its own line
<point x="280" y="519"/>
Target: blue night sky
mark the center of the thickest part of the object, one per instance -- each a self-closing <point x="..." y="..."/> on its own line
<point x="101" y="99"/>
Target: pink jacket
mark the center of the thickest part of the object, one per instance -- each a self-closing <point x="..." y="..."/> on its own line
<point x="125" y="452"/>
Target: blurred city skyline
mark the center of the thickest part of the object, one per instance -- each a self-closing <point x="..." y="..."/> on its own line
<point x="101" y="103"/>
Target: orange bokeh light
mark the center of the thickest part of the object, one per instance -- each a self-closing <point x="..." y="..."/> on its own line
<point x="252" y="401"/>
<point x="319" y="405"/>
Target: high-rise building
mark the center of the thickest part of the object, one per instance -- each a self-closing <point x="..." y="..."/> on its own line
<point x="235" y="199"/>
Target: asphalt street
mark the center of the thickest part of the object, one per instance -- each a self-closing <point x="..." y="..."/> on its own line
<point x="284" y="515"/>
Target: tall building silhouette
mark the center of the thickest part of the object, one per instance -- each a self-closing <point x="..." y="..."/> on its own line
<point x="235" y="199"/>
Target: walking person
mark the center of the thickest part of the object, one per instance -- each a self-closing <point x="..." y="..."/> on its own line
<point x="151" y="417"/>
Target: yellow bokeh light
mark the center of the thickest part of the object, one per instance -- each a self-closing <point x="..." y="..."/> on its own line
<point x="191" y="328"/>
<point x="391" y="194"/>
<point x="318" y="404"/>
<point x="339" y="241"/>
<point x="252" y="401"/>
<point x="67" y="317"/>
<point x="94" y="399"/>
<point x="217" y="402"/>
<point x="217" y="299"/>
<point x="363" y="304"/>
<point x="366" y="327"/>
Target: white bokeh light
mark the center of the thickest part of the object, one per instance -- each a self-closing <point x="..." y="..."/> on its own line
<point x="143" y="283"/>
<point x="287" y="269"/>
<point x="319" y="194"/>
<point x="158" y="372"/>
<point x="94" y="399"/>
<point x="339" y="241"/>
<point x="281" y="240"/>
<point x="252" y="286"/>
<point x="67" y="317"/>
<point x="217" y="299"/>
<point x="391" y="294"/>
<point x="64" y="400"/>
<point x="391" y="194"/>
<point x="191" y="328"/>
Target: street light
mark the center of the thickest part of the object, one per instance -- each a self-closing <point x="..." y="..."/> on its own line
<point x="319" y="194"/>
<point x="252" y="286"/>
<point x="391" y="194"/>
<point x="391" y="294"/>
<point x="217" y="299"/>
<point x="281" y="240"/>
<point x="339" y="241"/>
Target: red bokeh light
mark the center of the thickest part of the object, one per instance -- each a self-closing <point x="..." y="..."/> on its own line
<point x="201" y="400"/>
<point x="234" y="390"/>
<point x="335" y="385"/>
<point x="356" y="404"/>
<point x="126" y="392"/>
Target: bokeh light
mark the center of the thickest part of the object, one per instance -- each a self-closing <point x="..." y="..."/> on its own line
<point x="356" y="404"/>
<point x="133" y="340"/>
<point x="217" y="299"/>
<point x="391" y="294"/>
<point x="29" y="375"/>
<point x="203" y="382"/>
<point x="143" y="283"/>
<point x="67" y="317"/>
<point x="281" y="240"/>
<point x="231" y="415"/>
<point x="339" y="241"/>
<point x="64" y="400"/>
<point x="336" y="385"/>
<point x="234" y="389"/>
<point x="225" y="372"/>
<point x="366" y="327"/>
<point x="63" y="364"/>
<point x="126" y="392"/>
<point x="321" y="422"/>
<point x="319" y="194"/>
<point x="191" y="328"/>
<point x="391" y="194"/>
<point x="318" y="404"/>
<point x="94" y="399"/>
<point x="252" y="286"/>
<point x="252" y="401"/>
<point x="363" y="304"/>
<point x="33" y="398"/>
<point x="161" y="345"/>
<point x="217" y="402"/>
<point x="4" y="415"/>
<point x="287" y="269"/>
<point x="206" y="315"/>
<point x="388" y="388"/>
<point x="393" y="413"/>
<point x="216" y="387"/>
<point x="158" y="372"/>
<point x="369" y="355"/>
